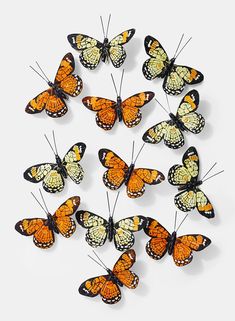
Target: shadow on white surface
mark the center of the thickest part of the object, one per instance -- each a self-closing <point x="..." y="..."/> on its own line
<point x="132" y="50"/>
<point x="88" y="166"/>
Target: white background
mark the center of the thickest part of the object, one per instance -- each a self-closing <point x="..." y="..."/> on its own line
<point x="42" y="285"/>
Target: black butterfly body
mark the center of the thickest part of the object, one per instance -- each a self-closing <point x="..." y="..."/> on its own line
<point x="186" y="119"/>
<point x="159" y="65"/>
<point x="53" y="174"/>
<point x="92" y="50"/>
<point x="100" y="229"/>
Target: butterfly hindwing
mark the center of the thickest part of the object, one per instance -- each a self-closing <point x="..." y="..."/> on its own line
<point x="71" y="162"/>
<point x="97" y="227"/>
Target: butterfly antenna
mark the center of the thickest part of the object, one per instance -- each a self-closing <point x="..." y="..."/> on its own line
<point x="120" y="89"/>
<point x="162" y="106"/>
<point x="139" y="153"/>
<point x="97" y="262"/>
<point x="50" y="144"/>
<point x="102" y="24"/>
<point x="107" y="194"/>
<point x="213" y="175"/>
<point x="168" y="103"/>
<point x="115" y="203"/>
<point x="209" y="170"/>
<point x="182" y="222"/>
<point x="38" y="74"/>
<point x="54" y="140"/>
<point x="133" y="150"/>
<point x="43" y="200"/>
<point x="106" y="35"/>
<point x="42" y="71"/>
<point x="183" y="47"/>
<point x="39" y="203"/>
<point x="100" y="260"/>
<point x="178" y="45"/>
<point x="175" y="220"/>
<point x="114" y="85"/>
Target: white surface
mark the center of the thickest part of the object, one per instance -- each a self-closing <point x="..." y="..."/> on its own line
<point x="42" y="285"/>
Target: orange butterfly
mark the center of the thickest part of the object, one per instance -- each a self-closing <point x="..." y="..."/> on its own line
<point x="181" y="248"/>
<point x="127" y="111"/>
<point x="43" y="229"/>
<point x="134" y="178"/>
<point x="108" y="286"/>
<point x="52" y="99"/>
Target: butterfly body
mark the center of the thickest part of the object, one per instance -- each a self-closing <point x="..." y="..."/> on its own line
<point x="110" y="229"/>
<point x="190" y="186"/>
<point x="50" y="222"/>
<point x="57" y="90"/>
<point x="112" y="277"/>
<point x="179" y="247"/>
<point x="129" y="173"/>
<point x="118" y="108"/>
<point x="177" y="122"/>
<point x="104" y="50"/>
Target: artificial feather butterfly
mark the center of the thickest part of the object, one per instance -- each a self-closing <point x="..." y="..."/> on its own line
<point x="108" y="111"/>
<point x="119" y="172"/>
<point x="92" y="50"/>
<point x="52" y="99"/>
<point x="100" y="229"/>
<point x="52" y="175"/>
<point x="43" y="230"/>
<point x="159" y="65"/>
<point x="186" y="178"/>
<point x="186" y="119"/>
<point x="180" y="247"/>
<point x="108" y="286"/>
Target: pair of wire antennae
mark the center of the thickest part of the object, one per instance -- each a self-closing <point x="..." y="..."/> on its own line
<point x="55" y="151"/>
<point x="100" y="263"/>
<point x="133" y="151"/>
<point x="177" y="53"/>
<point x="114" y="84"/>
<point x="176" y="230"/>
<point x="102" y="24"/>
<point x="46" y="79"/>
<point x="45" y="209"/>
<point x="168" y="104"/>
<point x="115" y="203"/>
<point x="210" y="169"/>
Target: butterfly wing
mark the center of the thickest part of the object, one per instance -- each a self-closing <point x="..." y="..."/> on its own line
<point x="71" y="162"/>
<point x="116" y="51"/>
<point x="90" y="49"/>
<point x="114" y="177"/>
<point x="204" y="206"/>
<point x="43" y="236"/>
<point x="70" y="83"/>
<point x="184" y="245"/>
<point x="124" y="229"/>
<point x="130" y="107"/>
<point x="156" y="66"/>
<point x="166" y="130"/>
<point x="62" y="219"/>
<point x="106" y="114"/>
<point x="140" y="176"/>
<point x="97" y="227"/>
<point x="191" y="120"/>
<point x="178" y="76"/>
<point x="157" y="246"/>
<point x="122" y="272"/>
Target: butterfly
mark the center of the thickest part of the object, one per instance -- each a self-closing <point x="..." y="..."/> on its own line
<point x="100" y="229"/>
<point x="108" y="286"/>
<point x="92" y="50"/>
<point x="52" y="99"/>
<point x="186" y="178"/>
<point x="52" y="175"/>
<point x="180" y="247"/>
<point x="159" y="65"/>
<point x="186" y="119"/>
<point x="119" y="172"/>
<point x="43" y="230"/>
<point x="107" y="111"/>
